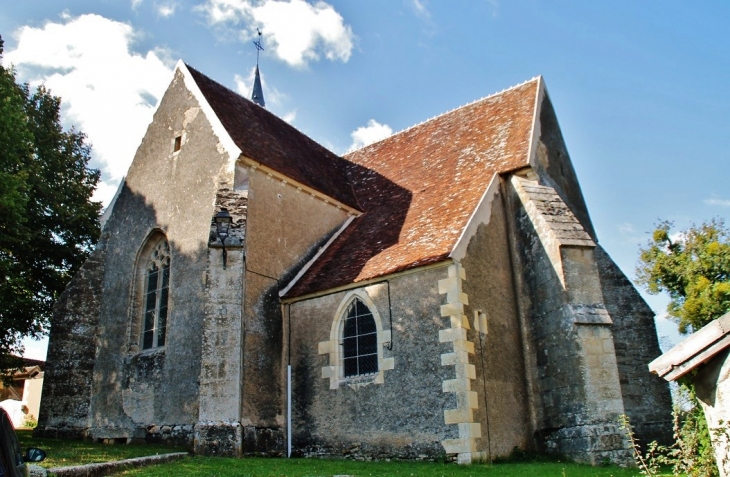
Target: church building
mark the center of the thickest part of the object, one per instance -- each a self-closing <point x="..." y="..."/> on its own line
<point x="441" y="292"/>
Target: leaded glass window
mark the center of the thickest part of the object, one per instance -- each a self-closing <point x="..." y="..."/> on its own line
<point x="157" y="286"/>
<point x="360" y="341"/>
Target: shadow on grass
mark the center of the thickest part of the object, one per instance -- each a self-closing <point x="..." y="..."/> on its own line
<point x="67" y="452"/>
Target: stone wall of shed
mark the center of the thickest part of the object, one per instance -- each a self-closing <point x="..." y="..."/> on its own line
<point x="153" y="394"/>
<point x="285" y="227"/>
<point x="647" y="400"/>
<point x="503" y="411"/>
<point x="67" y="383"/>
<point x="401" y="418"/>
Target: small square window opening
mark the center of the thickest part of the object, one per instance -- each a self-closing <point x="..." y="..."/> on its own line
<point x="178" y="144"/>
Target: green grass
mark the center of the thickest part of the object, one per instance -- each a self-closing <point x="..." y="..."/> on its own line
<point x="66" y="452"/>
<point x="269" y="467"/>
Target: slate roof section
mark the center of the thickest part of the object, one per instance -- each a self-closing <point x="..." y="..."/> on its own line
<point x="419" y="188"/>
<point x="273" y="142"/>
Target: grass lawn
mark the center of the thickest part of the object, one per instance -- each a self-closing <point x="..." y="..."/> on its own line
<point x="269" y="467"/>
<point x="65" y="452"/>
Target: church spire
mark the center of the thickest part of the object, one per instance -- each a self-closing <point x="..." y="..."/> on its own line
<point x="257" y="95"/>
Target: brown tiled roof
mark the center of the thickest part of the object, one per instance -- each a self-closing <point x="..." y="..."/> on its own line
<point x="418" y="188"/>
<point x="269" y="140"/>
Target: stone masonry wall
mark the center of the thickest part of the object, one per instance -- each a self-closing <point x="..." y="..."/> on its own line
<point x="575" y="371"/>
<point x="67" y="382"/>
<point x="646" y="397"/>
<point x="285" y="225"/>
<point x="503" y="409"/>
<point x="169" y="191"/>
<point x="362" y="418"/>
<point x="218" y="430"/>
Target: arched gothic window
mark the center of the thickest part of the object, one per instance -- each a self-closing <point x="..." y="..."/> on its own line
<point x="359" y="341"/>
<point x="156" y="295"/>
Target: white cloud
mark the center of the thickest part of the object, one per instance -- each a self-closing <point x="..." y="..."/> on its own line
<point x="108" y="91"/>
<point x="420" y="9"/>
<point x="296" y="31"/>
<point x="719" y="202"/>
<point x="366" y="135"/>
<point x="495" y="7"/>
<point x="290" y="116"/>
<point x="166" y="9"/>
<point x="626" y="228"/>
<point x="136" y="3"/>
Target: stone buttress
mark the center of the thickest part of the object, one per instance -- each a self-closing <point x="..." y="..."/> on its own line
<point x="573" y="366"/>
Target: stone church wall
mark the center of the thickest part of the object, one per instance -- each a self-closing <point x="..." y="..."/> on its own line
<point x="503" y="411"/>
<point x="153" y="394"/>
<point x="646" y="397"/>
<point x="401" y="417"/>
<point x="285" y="228"/>
<point x="572" y="365"/>
<point x="71" y="351"/>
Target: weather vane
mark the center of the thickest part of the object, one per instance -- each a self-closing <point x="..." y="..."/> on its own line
<point x="259" y="48"/>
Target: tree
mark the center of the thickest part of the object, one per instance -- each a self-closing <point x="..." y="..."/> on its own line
<point x="694" y="269"/>
<point x="48" y="223"/>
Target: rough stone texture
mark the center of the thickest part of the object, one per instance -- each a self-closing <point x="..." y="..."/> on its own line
<point x="67" y="384"/>
<point x="503" y="410"/>
<point x="218" y="438"/>
<point x="647" y="400"/>
<point x="135" y="389"/>
<point x="500" y="323"/>
<point x="573" y="366"/>
<point x="220" y="372"/>
<point x="401" y="418"/>
<point x="281" y="236"/>
<point x="552" y="164"/>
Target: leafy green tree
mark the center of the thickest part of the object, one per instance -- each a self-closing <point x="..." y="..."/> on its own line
<point x="694" y="269"/>
<point x="48" y="223"/>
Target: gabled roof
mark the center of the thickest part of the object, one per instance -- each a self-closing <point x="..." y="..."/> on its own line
<point x="420" y="187"/>
<point x="694" y="351"/>
<point x="272" y="142"/>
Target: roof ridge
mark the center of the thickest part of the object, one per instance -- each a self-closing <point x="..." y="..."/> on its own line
<point x="265" y="109"/>
<point x="433" y="118"/>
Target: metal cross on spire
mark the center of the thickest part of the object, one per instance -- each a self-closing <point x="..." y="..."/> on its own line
<point x="257" y="95"/>
<point x="259" y="48"/>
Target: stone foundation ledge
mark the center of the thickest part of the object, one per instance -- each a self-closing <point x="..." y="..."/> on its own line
<point x="218" y="438"/>
<point x="428" y="452"/>
<point x="106" y="468"/>
<point x="593" y="444"/>
<point x="61" y="432"/>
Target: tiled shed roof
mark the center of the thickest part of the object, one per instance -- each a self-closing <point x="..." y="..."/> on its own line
<point x="418" y="188"/>
<point x="269" y="140"/>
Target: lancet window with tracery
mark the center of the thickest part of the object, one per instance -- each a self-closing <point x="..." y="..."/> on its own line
<point x="156" y="296"/>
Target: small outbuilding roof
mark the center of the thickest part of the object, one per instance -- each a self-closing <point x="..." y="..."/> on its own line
<point x="696" y="350"/>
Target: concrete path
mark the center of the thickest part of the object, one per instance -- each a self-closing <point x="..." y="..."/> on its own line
<point x="106" y="468"/>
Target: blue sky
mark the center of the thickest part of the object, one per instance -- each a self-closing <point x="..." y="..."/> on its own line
<point x="640" y="88"/>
